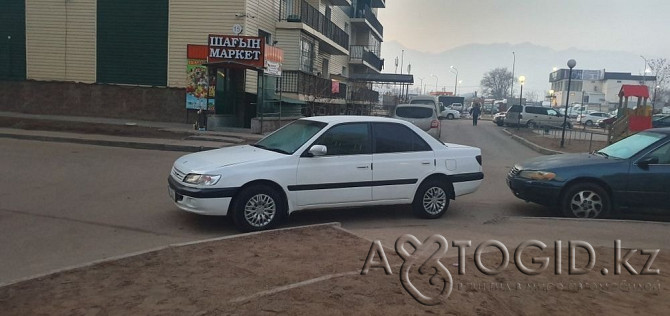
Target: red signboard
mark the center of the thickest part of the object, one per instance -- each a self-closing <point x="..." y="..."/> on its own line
<point x="246" y="50"/>
<point x="196" y="51"/>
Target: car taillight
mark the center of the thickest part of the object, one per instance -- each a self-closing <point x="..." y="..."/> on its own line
<point x="435" y="124"/>
<point x="479" y="159"/>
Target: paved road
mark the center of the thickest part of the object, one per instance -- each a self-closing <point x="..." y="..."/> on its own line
<point x="67" y="204"/>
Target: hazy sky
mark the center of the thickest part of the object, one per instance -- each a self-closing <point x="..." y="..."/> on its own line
<point x="639" y="26"/>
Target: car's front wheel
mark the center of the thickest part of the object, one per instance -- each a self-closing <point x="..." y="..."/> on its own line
<point x="450" y="116"/>
<point x="589" y="123"/>
<point x="431" y="200"/>
<point x="586" y="200"/>
<point x="258" y="207"/>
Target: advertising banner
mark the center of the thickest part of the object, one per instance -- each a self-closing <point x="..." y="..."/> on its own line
<point x="274" y="57"/>
<point x="197" y="85"/>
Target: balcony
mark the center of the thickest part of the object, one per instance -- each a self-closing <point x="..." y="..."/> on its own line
<point x="365" y="16"/>
<point x="378" y="3"/>
<point x="301" y="15"/>
<point x="365" y="95"/>
<point x="367" y="55"/>
<point x="307" y="84"/>
<point x="341" y="3"/>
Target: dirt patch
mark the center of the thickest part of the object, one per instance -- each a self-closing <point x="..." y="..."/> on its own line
<point x="90" y="128"/>
<point x="571" y="145"/>
<point x="316" y="270"/>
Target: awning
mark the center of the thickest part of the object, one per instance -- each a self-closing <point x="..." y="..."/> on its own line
<point x="382" y="78"/>
<point x="230" y="64"/>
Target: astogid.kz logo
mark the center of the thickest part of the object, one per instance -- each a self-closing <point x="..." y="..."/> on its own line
<point x="426" y="259"/>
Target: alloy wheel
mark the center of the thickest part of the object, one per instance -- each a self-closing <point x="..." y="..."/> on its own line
<point x="259" y="210"/>
<point x="586" y="204"/>
<point x="434" y="200"/>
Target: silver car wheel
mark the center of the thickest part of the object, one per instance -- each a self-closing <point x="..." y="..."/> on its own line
<point x="586" y="204"/>
<point x="434" y="200"/>
<point x="259" y="210"/>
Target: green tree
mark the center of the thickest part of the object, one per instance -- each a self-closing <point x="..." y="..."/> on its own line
<point x="496" y="83"/>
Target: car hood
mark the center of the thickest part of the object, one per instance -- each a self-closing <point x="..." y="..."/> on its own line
<point x="564" y="160"/>
<point x="228" y="156"/>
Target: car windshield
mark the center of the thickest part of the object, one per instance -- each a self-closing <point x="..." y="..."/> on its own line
<point x="291" y="137"/>
<point x="414" y="112"/>
<point x="630" y="146"/>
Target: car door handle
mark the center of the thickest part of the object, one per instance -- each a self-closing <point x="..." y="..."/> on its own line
<point x="363" y="167"/>
<point x="426" y="163"/>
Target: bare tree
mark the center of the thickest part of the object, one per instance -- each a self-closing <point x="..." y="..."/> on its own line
<point x="532" y="96"/>
<point x="661" y="69"/>
<point x="496" y="83"/>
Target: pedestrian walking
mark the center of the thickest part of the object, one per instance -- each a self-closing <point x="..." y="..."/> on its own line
<point x="475" y="111"/>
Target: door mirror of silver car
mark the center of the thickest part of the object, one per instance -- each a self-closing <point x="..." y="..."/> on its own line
<point x="318" y="150"/>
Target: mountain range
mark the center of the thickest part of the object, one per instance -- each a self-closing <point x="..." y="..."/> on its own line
<point x="474" y="60"/>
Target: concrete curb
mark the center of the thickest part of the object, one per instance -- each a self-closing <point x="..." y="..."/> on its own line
<point x="142" y="252"/>
<point x="533" y="146"/>
<point x="110" y="143"/>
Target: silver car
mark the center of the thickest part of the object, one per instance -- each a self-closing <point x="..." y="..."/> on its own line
<point x="423" y="116"/>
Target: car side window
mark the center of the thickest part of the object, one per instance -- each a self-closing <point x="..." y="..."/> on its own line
<point x="552" y="112"/>
<point x="515" y="108"/>
<point x="662" y="153"/>
<point x="393" y="138"/>
<point x="346" y="139"/>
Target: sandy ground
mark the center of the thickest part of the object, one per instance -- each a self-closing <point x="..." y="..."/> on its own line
<point x="316" y="270"/>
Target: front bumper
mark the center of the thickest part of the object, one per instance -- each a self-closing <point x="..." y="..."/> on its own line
<point x="210" y="201"/>
<point x="545" y="193"/>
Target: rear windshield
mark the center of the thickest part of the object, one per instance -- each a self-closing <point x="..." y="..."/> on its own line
<point x="428" y="102"/>
<point x="414" y="112"/>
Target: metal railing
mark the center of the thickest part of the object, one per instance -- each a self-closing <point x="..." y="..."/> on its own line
<point x="303" y="83"/>
<point x="367" y="54"/>
<point x="366" y="13"/>
<point x="365" y="95"/>
<point x="301" y="11"/>
<point x="587" y="140"/>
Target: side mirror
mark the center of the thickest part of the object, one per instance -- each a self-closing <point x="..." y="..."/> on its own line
<point x="318" y="150"/>
<point x="646" y="161"/>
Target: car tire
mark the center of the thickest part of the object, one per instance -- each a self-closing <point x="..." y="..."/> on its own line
<point x="531" y="125"/>
<point x="500" y="123"/>
<point x="586" y="200"/>
<point x="258" y="207"/>
<point x="588" y="123"/>
<point x="431" y="200"/>
<point x="450" y="116"/>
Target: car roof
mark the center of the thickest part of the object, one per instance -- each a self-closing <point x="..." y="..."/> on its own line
<point x="336" y="119"/>
<point x="662" y="130"/>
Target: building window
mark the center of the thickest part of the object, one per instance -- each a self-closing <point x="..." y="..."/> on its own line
<point x="618" y="81"/>
<point x="344" y="71"/>
<point x="306" y="55"/>
<point x="265" y="35"/>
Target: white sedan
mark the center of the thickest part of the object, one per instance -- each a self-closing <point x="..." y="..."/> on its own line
<point x="592" y="118"/>
<point x="450" y="114"/>
<point x="326" y="162"/>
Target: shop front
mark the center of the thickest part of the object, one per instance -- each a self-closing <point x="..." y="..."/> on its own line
<point x="221" y="77"/>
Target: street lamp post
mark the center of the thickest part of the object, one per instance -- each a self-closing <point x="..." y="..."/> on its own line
<point x="571" y="64"/>
<point x="456" y="81"/>
<point x="522" y="80"/>
<point x="511" y="89"/>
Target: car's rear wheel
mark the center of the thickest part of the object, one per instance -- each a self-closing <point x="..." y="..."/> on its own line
<point x="589" y="123"/>
<point x="257" y="207"/>
<point x="431" y="200"/>
<point x="531" y="124"/>
<point x="450" y="116"/>
<point x="586" y="200"/>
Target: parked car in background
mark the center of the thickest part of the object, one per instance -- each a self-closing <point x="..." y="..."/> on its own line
<point x="499" y="118"/>
<point x="632" y="173"/>
<point x="591" y="118"/>
<point x="533" y="116"/>
<point x="326" y="162"/>
<point x="424" y="116"/>
<point x="457" y="106"/>
<point x="660" y="121"/>
<point x="448" y="113"/>
<point x="606" y="122"/>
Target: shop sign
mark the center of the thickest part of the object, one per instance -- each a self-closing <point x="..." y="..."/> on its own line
<point x="246" y="50"/>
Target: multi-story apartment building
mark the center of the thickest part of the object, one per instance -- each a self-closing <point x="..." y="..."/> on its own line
<point x="594" y="87"/>
<point x="144" y="58"/>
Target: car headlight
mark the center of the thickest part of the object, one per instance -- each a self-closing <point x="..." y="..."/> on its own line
<point x="537" y="175"/>
<point x="202" y="179"/>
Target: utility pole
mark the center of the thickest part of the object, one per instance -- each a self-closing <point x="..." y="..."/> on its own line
<point x="511" y="90"/>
